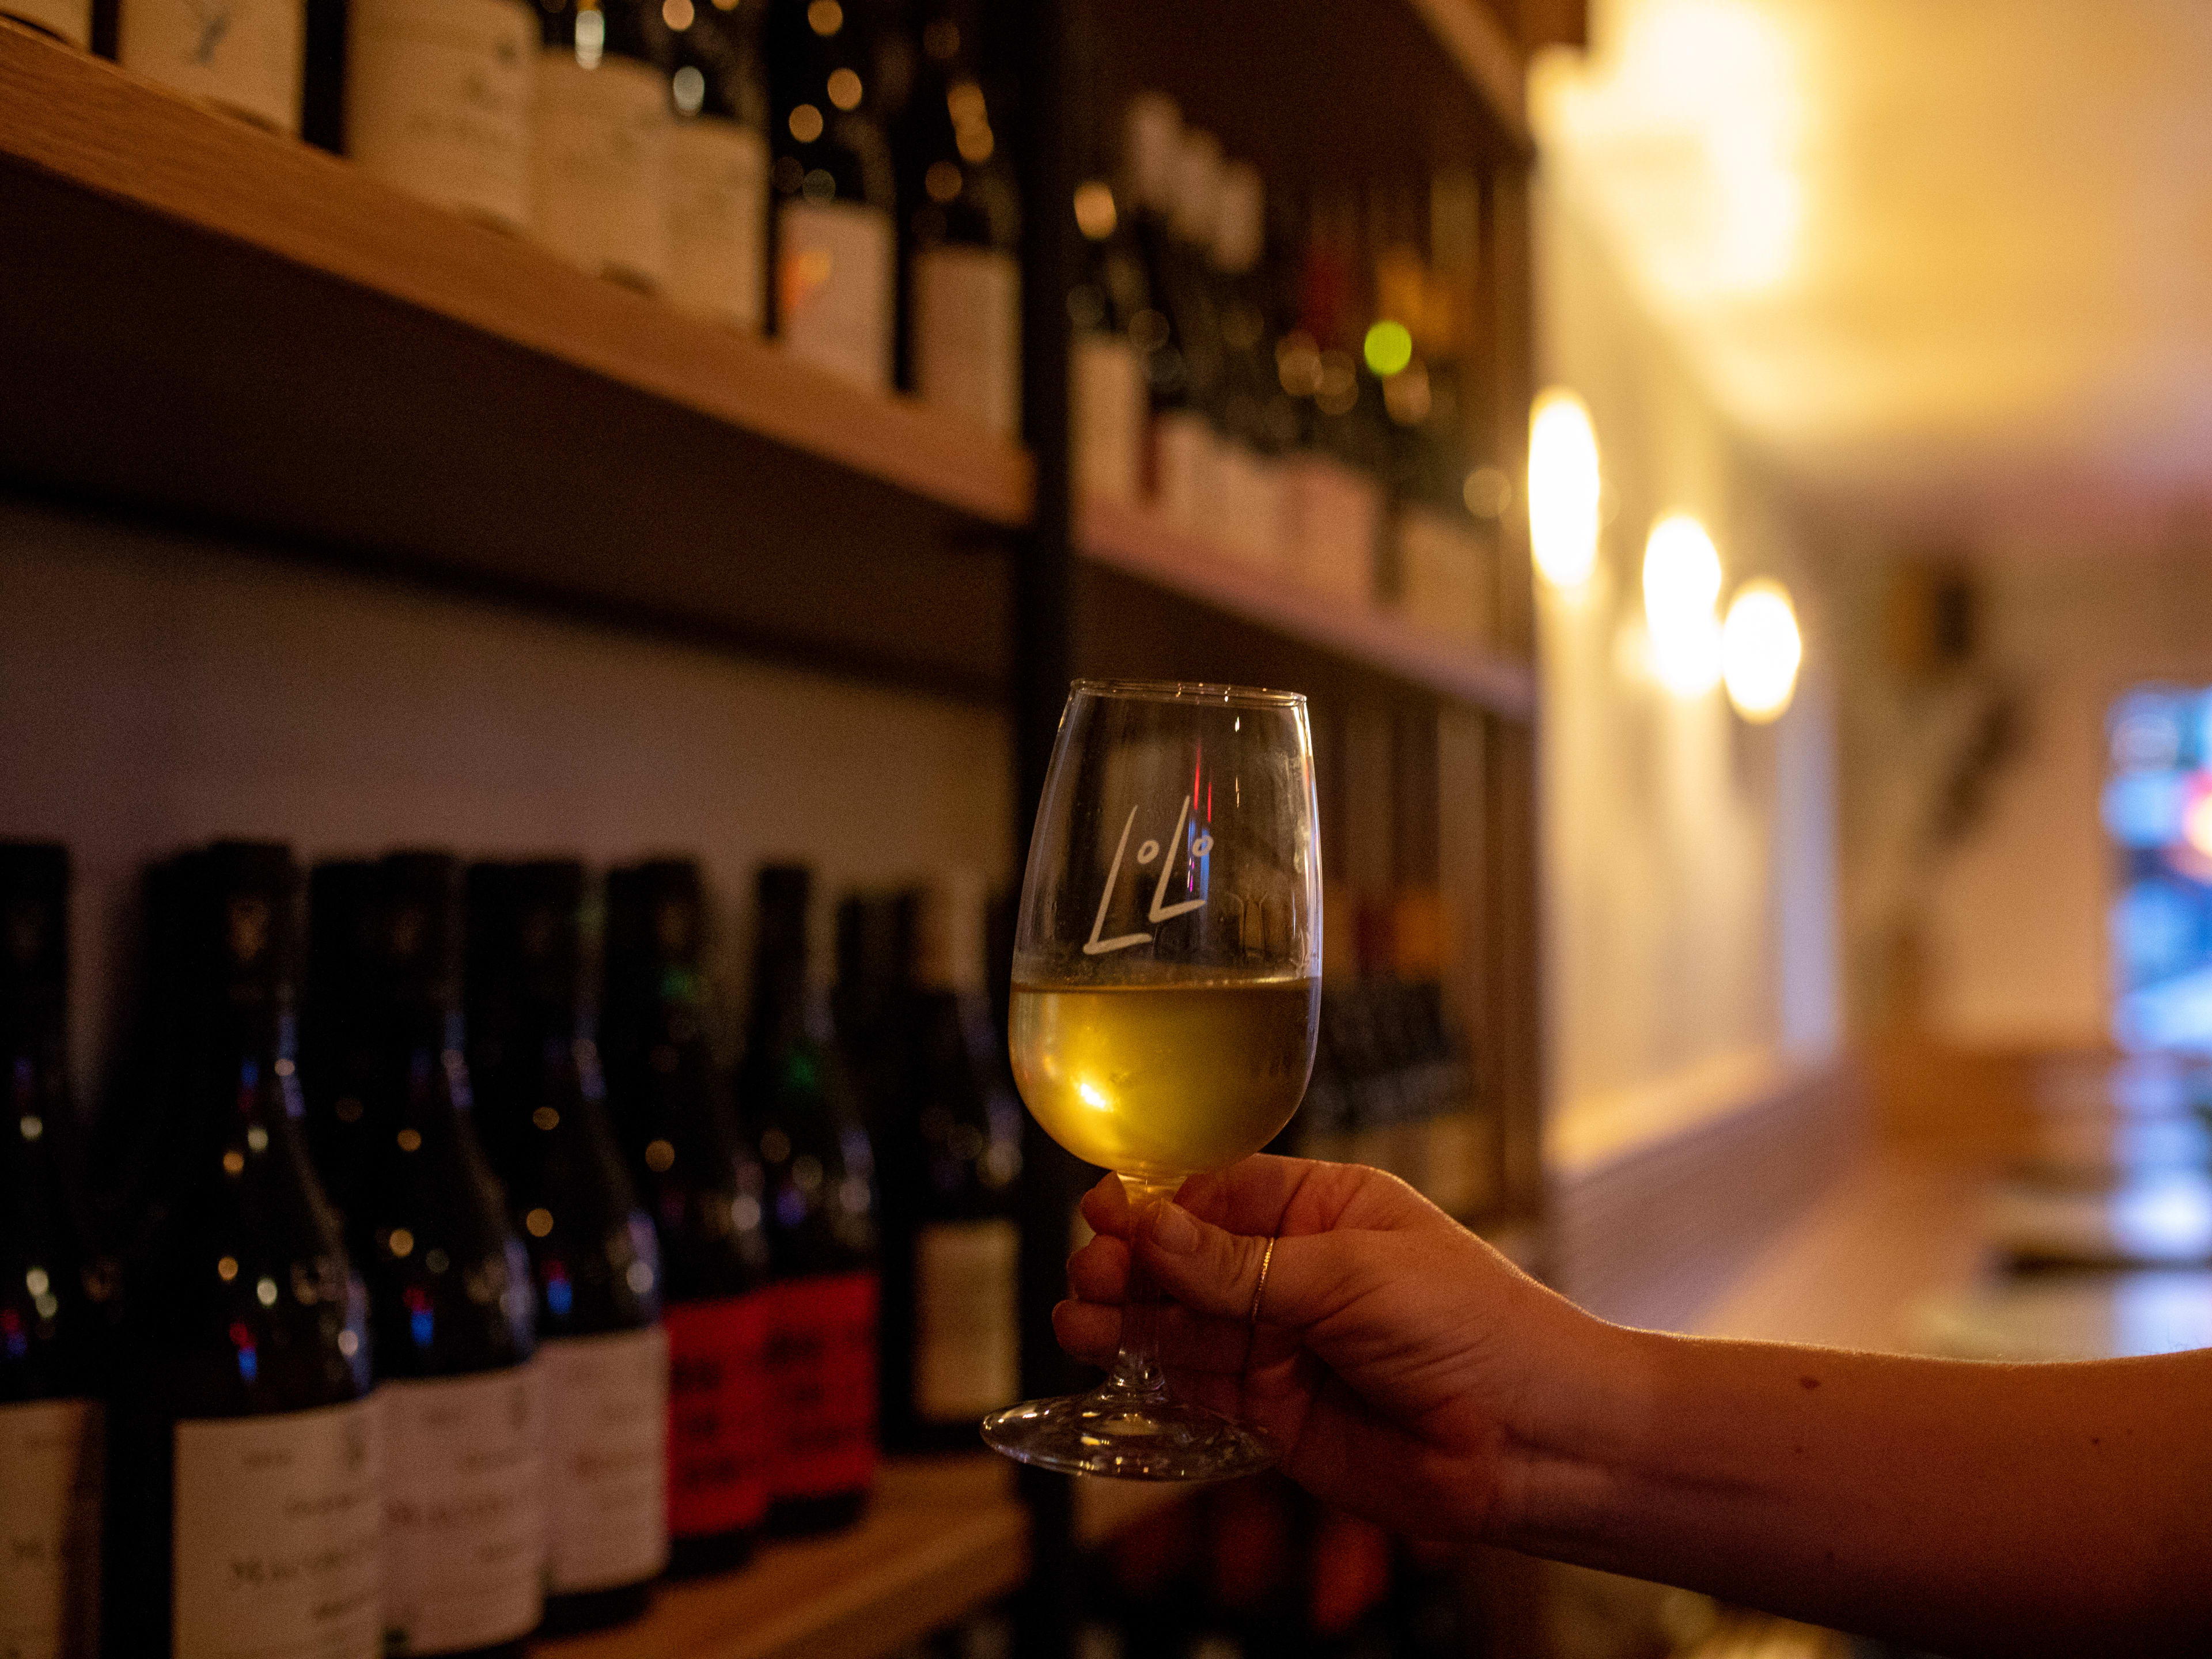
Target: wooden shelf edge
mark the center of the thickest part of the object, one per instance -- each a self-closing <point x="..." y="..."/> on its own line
<point x="1478" y="44"/>
<point x="1131" y="539"/>
<point x="93" y="124"/>
<point x="945" y="1537"/>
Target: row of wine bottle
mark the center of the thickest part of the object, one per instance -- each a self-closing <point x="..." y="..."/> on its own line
<point x="1309" y="398"/>
<point x="684" y="147"/>
<point x="445" y="1321"/>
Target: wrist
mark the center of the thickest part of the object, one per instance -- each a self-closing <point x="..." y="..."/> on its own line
<point x="1588" y="1392"/>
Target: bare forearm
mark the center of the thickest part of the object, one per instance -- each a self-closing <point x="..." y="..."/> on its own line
<point x="1964" y="1507"/>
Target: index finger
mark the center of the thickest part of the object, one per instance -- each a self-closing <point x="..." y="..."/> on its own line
<point x="1269" y="1197"/>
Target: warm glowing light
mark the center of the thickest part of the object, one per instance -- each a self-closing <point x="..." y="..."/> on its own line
<point x="1681" y="586"/>
<point x="2196" y="822"/>
<point x="1760" y="651"/>
<point x="1093" y="1095"/>
<point x="689" y="87"/>
<point x="401" y="1241"/>
<point x="941" y="181"/>
<point x="825" y="16"/>
<point x="1563" y="489"/>
<point x="844" y="89"/>
<point x="975" y="141"/>
<point x="806" y="122"/>
<point x="677" y="13"/>
<point x="1094" y="212"/>
<point x="538" y="1223"/>
<point x="1388" y="347"/>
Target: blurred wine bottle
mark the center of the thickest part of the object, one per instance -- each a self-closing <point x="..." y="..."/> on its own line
<point x="718" y="162"/>
<point x="450" y="1304"/>
<point x="951" y="1151"/>
<point x="603" y="1355"/>
<point x="835" y="191"/>
<point x="599" y="153"/>
<point x="247" y="58"/>
<point x="671" y="1109"/>
<point x="245" y="1496"/>
<point x="802" y="1118"/>
<point x="51" y="1319"/>
<point x="438" y="98"/>
<point x="963" y="231"/>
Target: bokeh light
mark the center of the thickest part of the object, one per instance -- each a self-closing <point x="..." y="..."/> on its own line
<point x="1563" y="489"/>
<point x="1760" y="651"/>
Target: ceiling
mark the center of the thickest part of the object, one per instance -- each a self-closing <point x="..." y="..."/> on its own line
<point x="1950" y="257"/>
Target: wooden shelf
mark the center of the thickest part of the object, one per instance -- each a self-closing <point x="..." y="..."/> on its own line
<point x="222" y="325"/>
<point x="1136" y="543"/>
<point x="944" y="1537"/>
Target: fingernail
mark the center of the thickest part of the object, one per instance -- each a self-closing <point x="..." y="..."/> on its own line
<point x="1174" y="1231"/>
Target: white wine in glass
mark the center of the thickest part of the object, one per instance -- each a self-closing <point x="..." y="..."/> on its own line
<point x="1166" y="991"/>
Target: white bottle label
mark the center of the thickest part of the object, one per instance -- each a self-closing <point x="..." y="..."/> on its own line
<point x="50" y="1529"/>
<point x="718" y="220"/>
<point x="275" y="1538"/>
<point x="600" y="164"/>
<point x="967" y="333"/>
<point x="967" y="1345"/>
<point x="438" y="100"/>
<point x="1108" y="393"/>
<point x="834" y="288"/>
<point x="606" y="1458"/>
<point x="241" y="54"/>
<point x="463" y="1509"/>
<point x="1184" y="469"/>
<point x="70" y="19"/>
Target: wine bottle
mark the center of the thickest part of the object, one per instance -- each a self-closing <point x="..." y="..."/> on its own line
<point x="1185" y="432"/>
<point x="671" y="1109"/>
<point x="718" y="163"/>
<point x="50" y="1321"/>
<point x="438" y="98"/>
<point x="68" y="21"/>
<point x="246" y="1496"/>
<point x="1253" y="422"/>
<point x="963" y="230"/>
<point x="337" y="1030"/>
<point x="450" y="1296"/>
<point x="599" y="155"/>
<point x="245" y="57"/>
<point x="836" y="193"/>
<point x="800" y="1114"/>
<point x="602" y="1354"/>
<point x="951" y="1143"/>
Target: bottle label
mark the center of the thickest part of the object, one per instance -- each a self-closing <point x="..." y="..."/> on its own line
<point x="438" y="100"/>
<point x="1184" y="469"/>
<point x="718" y="220"/>
<point x="50" y="1529"/>
<point x="718" y="1415"/>
<point x="967" y="1343"/>
<point x="275" y="1536"/>
<point x="1109" y="397"/>
<point x="967" y="333"/>
<point x="607" y="1423"/>
<point x="464" y="1509"/>
<point x="69" y="19"/>
<point x="821" y="1365"/>
<point x="600" y="166"/>
<point x="834" y="262"/>
<point x="242" y="54"/>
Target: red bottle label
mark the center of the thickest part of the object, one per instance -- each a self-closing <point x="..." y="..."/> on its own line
<point x="719" y="1415"/>
<point x="822" y="1364"/>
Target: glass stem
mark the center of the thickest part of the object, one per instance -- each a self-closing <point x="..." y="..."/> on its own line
<point x="1137" y="1367"/>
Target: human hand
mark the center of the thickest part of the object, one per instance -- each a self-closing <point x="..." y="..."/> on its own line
<point x="1397" y="1358"/>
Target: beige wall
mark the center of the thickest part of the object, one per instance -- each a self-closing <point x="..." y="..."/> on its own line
<point x="1691" y="943"/>
<point x="155" y="690"/>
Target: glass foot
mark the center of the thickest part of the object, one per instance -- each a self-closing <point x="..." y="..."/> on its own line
<point x="1127" y="1435"/>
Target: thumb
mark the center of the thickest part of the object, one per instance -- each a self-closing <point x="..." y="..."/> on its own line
<point x="1211" y="1271"/>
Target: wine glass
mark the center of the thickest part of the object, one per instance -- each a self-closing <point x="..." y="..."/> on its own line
<point x="1166" y="987"/>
